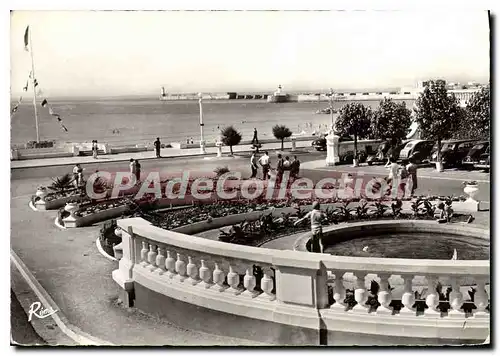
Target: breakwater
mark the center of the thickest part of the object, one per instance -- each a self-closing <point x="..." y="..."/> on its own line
<point x="295" y="98"/>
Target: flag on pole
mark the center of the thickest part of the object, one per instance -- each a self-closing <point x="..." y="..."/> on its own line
<point x="44" y="102"/>
<point x="25" y="88"/>
<point x="26" y="38"/>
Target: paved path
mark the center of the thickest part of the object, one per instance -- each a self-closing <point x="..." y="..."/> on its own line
<point x="68" y="265"/>
<point x="166" y="153"/>
<point x="70" y="268"/>
<point x="423" y="173"/>
<point x="22" y="332"/>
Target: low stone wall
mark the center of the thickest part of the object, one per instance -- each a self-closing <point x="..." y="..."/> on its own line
<point x="56" y="203"/>
<point x="164" y="270"/>
<point x="80" y="221"/>
<point x="245" y="142"/>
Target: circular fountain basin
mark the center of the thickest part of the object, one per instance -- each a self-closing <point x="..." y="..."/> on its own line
<point x="412" y="245"/>
<point x="412" y="239"/>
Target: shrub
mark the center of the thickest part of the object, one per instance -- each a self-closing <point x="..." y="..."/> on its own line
<point x="219" y="171"/>
<point x="281" y="132"/>
<point x="230" y="137"/>
<point x="62" y="184"/>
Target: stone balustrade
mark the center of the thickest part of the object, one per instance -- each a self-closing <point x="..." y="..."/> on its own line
<point x="215" y="287"/>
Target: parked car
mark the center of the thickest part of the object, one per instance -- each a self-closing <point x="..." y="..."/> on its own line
<point x="382" y="153"/>
<point x="419" y="150"/>
<point x="484" y="160"/>
<point x="474" y="154"/>
<point x="452" y="152"/>
<point x="320" y="143"/>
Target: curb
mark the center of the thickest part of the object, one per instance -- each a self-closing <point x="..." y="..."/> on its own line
<point x="59" y="225"/>
<point x="102" y="252"/>
<point x="62" y="322"/>
<point x="30" y="204"/>
<point x="127" y="159"/>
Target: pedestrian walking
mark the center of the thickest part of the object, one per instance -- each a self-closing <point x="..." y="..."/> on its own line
<point x="317" y="217"/>
<point x="412" y="173"/>
<point x="295" y="167"/>
<point x="94" y="149"/>
<point x="393" y="170"/>
<point x="287" y="164"/>
<point x="403" y="175"/>
<point x="253" y="165"/>
<point x="255" y="139"/>
<point x="132" y="166"/>
<point x="265" y="162"/>
<point x="157" y="147"/>
<point x="137" y="171"/>
<point x="76" y="170"/>
<point x="279" y="169"/>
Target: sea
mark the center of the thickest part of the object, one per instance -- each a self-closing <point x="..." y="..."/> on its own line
<point x="129" y="122"/>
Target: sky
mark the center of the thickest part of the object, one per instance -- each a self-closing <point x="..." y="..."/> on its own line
<point x="112" y="53"/>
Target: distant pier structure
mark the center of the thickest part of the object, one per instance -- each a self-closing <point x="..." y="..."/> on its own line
<point x="279" y="96"/>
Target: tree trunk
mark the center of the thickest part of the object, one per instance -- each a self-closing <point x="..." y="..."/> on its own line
<point x="231" y="149"/>
<point x="282" y="143"/>
<point x="355" y="146"/>
<point x="438" y="155"/>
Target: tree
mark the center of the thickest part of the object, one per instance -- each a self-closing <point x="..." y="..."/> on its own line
<point x="230" y="137"/>
<point x="391" y="121"/>
<point x="354" y="120"/>
<point x="437" y="113"/>
<point x="479" y="114"/>
<point x="281" y="132"/>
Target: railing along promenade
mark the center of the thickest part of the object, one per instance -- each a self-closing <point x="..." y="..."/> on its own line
<point x="292" y="292"/>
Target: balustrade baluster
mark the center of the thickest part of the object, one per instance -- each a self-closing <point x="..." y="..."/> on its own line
<point x="218" y="278"/>
<point x="481" y="300"/>
<point x="170" y="264"/>
<point x="144" y="254"/>
<point x="408" y="297"/>
<point x="384" y="295"/>
<point x="192" y="271"/>
<point x="205" y="275"/>
<point x="233" y="279"/>
<point x="456" y="300"/>
<point x="432" y="299"/>
<point x="160" y="261"/>
<point x="360" y="294"/>
<point x="267" y="285"/>
<point x="249" y="282"/>
<point x="152" y="257"/>
<point x="180" y="268"/>
<point x="339" y="292"/>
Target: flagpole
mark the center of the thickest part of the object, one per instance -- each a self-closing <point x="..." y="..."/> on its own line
<point x="34" y="88"/>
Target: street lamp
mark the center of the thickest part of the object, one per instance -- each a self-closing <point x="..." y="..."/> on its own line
<point x="331" y="108"/>
<point x="332" y="140"/>
<point x="202" y="140"/>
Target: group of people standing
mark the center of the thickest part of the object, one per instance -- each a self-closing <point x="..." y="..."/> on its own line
<point x="407" y="171"/>
<point x="283" y="164"/>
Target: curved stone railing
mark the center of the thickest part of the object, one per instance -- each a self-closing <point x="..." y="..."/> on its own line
<point x="186" y="278"/>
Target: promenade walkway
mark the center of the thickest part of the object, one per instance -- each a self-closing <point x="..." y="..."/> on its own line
<point x="165" y="153"/>
<point x="424" y="172"/>
<point x="78" y="278"/>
